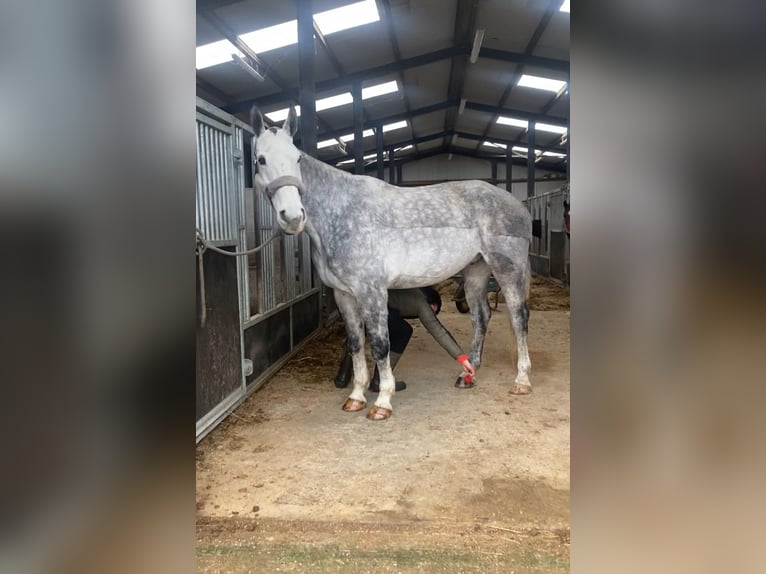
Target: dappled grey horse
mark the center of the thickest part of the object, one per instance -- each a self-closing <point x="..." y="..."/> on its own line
<point x="368" y="236"/>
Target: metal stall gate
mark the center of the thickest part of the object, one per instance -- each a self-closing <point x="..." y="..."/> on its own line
<point x="549" y="252"/>
<point x="259" y="308"/>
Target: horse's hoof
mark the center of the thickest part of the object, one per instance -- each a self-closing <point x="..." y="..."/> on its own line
<point x="353" y="406"/>
<point x="520" y="389"/>
<point x="378" y="413"/>
<point x="464" y="382"/>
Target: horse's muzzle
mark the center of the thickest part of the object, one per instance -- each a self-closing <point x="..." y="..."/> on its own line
<point x="293" y="226"/>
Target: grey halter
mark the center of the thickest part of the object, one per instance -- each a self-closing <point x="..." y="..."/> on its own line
<point x="282" y="181"/>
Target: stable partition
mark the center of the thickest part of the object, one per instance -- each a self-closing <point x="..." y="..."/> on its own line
<point x="549" y="251"/>
<point x="259" y="308"/>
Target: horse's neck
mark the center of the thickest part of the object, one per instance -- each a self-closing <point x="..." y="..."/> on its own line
<point x="323" y="184"/>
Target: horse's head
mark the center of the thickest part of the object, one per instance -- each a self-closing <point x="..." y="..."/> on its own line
<point x="275" y="164"/>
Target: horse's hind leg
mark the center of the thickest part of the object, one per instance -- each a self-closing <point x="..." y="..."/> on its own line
<point x="475" y="282"/>
<point x="509" y="259"/>
<point x="349" y="310"/>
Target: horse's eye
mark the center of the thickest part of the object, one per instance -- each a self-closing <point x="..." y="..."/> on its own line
<point x="261" y="160"/>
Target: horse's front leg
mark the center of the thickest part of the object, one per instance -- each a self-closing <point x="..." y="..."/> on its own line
<point x="375" y="311"/>
<point x="349" y="310"/>
<point x="476" y="276"/>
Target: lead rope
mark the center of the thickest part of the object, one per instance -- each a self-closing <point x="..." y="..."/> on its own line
<point x="202" y="246"/>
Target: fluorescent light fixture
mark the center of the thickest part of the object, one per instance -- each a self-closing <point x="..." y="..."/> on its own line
<point x="541" y="83"/>
<point x="273" y="37"/>
<point x="346" y="17"/>
<point x="247" y="67"/>
<point x="380" y="89"/>
<point x="554" y="154"/>
<point x="477" y="40"/>
<point x="461" y="109"/>
<point x="551" y="128"/>
<point x="395" y="126"/>
<point x="350" y="137"/>
<point x="215" y="53"/>
<point x="512" y="122"/>
<point x="565" y="6"/>
<point x="326" y="143"/>
<point x="493" y="144"/>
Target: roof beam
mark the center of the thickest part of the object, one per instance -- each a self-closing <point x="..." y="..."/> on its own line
<point x="553" y="6"/>
<point x="526" y="60"/>
<point x="334" y="83"/>
<point x="498" y="111"/>
<point x="332" y="134"/>
<point x="449" y="134"/>
<point x="288" y="94"/>
<point x="465" y="29"/>
<point x="397" y="56"/>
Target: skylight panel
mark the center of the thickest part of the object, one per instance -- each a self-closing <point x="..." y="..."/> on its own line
<point x="524" y="150"/>
<point x="554" y="154"/>
<point x="281" y="115"/>
<point x="349" y="16"/>
<point x="493" y="144"/>
<point x="551" y="128"/>
<point x="273" y="37"/>
<point x="326" y="143"/>
<point x="379" y="89"/>
<point x="350" y="137"/>
<point x="395" y="126"/>
<point x="215" y="53"/>
<point x="366" y="157"/>
<point x="334" y="101"/>
<point x="565" y="6"/>
<point x="512" y="122"/>
<point x="409" y="146"/>
<point x="541" y="83"/>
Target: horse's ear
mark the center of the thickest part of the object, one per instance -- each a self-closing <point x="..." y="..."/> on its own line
<point x="256" y="120"/>
<point x="291" y="123"/>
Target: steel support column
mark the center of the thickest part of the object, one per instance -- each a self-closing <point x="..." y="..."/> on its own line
<point x="307" y="91"/>
<point x="508" y="168"/>
<point x="356" y="92"/>
<point x="531" y="160"/>
<point x="379" y="149"/>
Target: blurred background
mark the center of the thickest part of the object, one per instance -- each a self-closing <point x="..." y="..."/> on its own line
<point x="97" y="292"/>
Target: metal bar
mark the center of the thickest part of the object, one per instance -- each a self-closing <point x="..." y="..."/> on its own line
<point x="531" y="157"/>
<point x="521" y="114"/>
<point x="397" y="58"/>
<point x="390" y="119"/>
<point x="334" y="83"/>
<point x="526" y="59"/>
<point x="356" y="92"/>
<point x="322" y="42"/>
<point x="465" y="29"/>
<point x="379" y="150"/>
<point x="391" y="169"/>
<point x="508" y="168"/>
<point x="307" y="94"/>
<point x="493" y="178"/>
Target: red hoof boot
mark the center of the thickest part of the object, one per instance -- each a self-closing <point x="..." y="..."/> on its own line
<point x="465" y="382"/>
